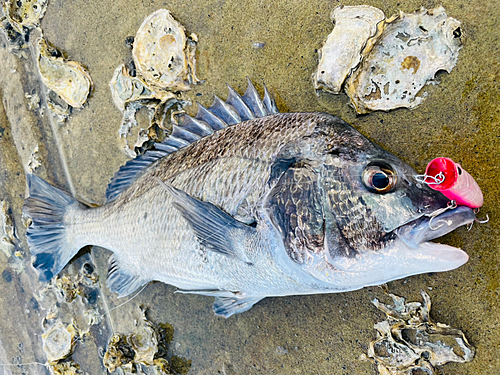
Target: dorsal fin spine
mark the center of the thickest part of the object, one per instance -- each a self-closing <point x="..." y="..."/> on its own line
<point x="181" y="132"/>
<point x="241" y="107"/>
<point x="205" y="115"/>
<point x="197" y="126"/>
<point x="176" y="142"/>
<point x="269" y="102"/>
<point x="225" y="111"/>
<point x="252" y="99"/>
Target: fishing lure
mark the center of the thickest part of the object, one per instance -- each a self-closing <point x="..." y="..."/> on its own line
<point x="448" y="177"/>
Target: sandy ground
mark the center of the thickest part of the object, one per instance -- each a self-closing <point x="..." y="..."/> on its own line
<point x="320" y="334"/>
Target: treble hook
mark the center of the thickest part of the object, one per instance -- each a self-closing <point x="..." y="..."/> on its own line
<point x="450" y="206"/>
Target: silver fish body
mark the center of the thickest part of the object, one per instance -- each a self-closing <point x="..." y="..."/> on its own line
<point x="275" y="204"/>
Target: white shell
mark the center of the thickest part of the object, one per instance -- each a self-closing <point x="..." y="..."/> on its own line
<point x="68" y="79"/>
<point x="407" y="55"/>
<point x="354" y="25"/>
<point x="162" y="53"/>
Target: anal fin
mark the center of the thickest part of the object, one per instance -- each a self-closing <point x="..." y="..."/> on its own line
<point x="122" y="282"/>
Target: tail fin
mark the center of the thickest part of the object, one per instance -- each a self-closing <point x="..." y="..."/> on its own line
<point x="47" y="240"/>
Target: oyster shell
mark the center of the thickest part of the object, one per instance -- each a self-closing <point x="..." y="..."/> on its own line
<point x="163" y="55"/>
<point x="355" y="24"/>
<point x="65" y="368"/>
<point x="58" y="341"/>
<point x="68" y="79"/>
<point x="406" y="57"/>
<point x="24" y="13"/>
<point x="130" y="94"/>
<point x="408" y="341"/>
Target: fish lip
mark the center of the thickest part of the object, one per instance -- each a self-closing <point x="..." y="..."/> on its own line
<point x="427" y="228"/>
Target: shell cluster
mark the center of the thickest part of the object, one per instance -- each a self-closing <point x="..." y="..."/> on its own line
<point x="385" y="63"/>
<point x="146" y="349"/>
<point x="68" y="83"/>
<point x="163" y="67"/>
<point x="409" y="342"/>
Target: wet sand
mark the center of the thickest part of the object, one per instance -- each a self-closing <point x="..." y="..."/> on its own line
<point x="320" y="334"/>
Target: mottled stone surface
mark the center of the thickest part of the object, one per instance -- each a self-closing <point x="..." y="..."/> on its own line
<point x="320" y="334"/>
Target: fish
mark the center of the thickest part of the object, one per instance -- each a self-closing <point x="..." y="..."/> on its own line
<point x="242" y="202"/>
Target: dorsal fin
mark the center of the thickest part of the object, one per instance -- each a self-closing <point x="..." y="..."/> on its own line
<point x="128" y="172"/>
<point x="208" y="120"/>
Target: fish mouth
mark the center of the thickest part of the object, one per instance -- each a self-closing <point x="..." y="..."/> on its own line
<point x="410" y="252"/>
<point x="428" y="228"/>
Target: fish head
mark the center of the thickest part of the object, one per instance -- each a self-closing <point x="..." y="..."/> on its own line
<point x="377" y="219"/>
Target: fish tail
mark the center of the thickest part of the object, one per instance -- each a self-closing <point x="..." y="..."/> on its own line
<point x="47" y="239"/>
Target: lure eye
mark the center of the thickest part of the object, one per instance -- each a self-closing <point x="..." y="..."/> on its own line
<point x="379" y="178"/>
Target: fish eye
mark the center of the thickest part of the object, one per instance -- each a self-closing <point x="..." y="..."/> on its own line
<point x="379" y="178"/>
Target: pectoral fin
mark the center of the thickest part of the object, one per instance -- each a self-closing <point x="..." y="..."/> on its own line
<point x="215" y="230"/>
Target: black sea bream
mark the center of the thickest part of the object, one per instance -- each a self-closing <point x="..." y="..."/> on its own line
<point x="242" y="203"/>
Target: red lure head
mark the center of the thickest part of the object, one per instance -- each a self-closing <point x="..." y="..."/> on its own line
<point x="454" y="182"/>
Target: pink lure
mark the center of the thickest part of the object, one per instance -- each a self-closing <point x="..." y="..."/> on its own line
<point x="448" y="177"/>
